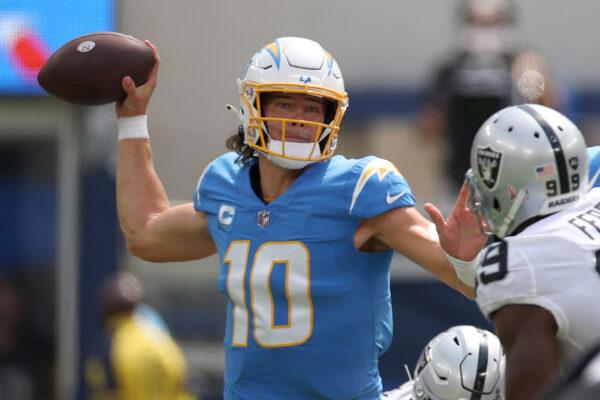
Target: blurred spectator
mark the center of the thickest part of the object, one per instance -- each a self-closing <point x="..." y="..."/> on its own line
<point x="24" y="359"/>
<point x="488" y="71"/>
<point x="150" y="315"/>
<point x="135" y="358"/>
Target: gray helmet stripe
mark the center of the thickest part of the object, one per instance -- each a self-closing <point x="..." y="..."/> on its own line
<point x="482" y="362"/>
<point x="559" y="155"/>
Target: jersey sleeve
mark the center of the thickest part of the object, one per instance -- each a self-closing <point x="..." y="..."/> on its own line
<point x="378" y="187"/>
<point x="594" y="157"/>
<point x="212" y="188"/>
<point x="505" y="276"/>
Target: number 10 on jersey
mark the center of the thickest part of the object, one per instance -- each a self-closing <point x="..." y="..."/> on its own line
<point x="294" y="256"/>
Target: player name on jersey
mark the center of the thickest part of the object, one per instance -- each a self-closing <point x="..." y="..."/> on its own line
<point x="588" y="222"/>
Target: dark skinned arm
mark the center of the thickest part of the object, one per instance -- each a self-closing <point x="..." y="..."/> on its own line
<point x="528" y="335"/>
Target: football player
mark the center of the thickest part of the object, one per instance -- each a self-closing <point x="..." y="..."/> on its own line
<point x="539" y="281"/>
<point x="305" y="238"/>
<point x="463" y="362"/>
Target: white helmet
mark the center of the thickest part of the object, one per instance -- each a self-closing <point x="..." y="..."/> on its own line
<point x="292" y="65"/>
<point x="526" y="161"/>
<point x="464" y="362"/>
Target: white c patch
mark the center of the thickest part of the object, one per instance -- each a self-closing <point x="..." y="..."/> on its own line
<point x="226" y="214"/>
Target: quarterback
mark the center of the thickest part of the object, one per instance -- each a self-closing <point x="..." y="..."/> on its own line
<point x="539" y="281"/>
<point x="305" y="238"/>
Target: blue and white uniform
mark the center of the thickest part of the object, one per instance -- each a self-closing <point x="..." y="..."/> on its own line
<point x="308" y="314"/>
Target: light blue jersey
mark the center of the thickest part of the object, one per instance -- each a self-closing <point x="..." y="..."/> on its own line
<point x="594" y="157"/>
<point x="308" y="314"/>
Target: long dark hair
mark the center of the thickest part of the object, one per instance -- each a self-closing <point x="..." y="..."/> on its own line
<point x="235" y="142"/>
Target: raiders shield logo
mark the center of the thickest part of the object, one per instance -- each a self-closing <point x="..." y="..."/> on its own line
<point x="574" y="162"/>
<point x="263" y="218"/>
<point x="488" y="166"/>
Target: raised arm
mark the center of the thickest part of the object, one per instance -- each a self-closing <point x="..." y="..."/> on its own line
<point x="154" y="230"/>
<point x="406" y="231"/>
<point x="410" y="234"/>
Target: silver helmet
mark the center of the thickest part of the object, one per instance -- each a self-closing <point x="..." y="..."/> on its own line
<point x="526" y="161"/>
<point x="463" y="362"/>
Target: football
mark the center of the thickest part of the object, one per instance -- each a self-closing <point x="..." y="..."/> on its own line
<point x="88" y="70"/>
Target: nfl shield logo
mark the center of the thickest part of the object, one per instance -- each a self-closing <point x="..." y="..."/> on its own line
<point x="263" y="218"/>
<point x="488" y="166"/>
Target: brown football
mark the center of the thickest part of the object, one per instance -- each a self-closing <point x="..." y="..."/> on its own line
<point x="88" y="70"/>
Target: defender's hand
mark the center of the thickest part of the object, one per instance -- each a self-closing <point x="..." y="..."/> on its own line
<point x="136" y="102"/>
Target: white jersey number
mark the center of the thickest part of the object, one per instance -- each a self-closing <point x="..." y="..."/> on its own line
<point x="295" y="258"/>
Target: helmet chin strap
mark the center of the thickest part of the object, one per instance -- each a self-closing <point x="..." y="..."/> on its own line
<point x="293" y="149"/>
<point x="512" y="213"/>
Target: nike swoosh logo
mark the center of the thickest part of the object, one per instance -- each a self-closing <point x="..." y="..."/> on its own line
<point x="390" y="199"/>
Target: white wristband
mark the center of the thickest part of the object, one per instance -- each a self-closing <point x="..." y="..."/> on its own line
<point x="133" y="127"/>
<point x="465" y="270"/>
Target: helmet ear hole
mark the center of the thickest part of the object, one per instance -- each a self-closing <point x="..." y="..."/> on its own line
<point x="497" y="205"/>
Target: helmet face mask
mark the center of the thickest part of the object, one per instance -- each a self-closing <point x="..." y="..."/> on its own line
<point x="292" y="66"/>
<point x="526" y="161"/>
<point x="475" y="204"/>
<point x="459" y="363"/>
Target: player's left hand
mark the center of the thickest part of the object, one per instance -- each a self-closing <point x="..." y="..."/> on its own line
<point x="460" y="235"/>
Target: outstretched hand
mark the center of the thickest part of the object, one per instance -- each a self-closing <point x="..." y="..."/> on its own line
<point x="136" y="102"/>
<point x="460" y="235"/>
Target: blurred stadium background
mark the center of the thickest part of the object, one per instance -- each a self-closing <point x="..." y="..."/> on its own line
<point x="59" y="235"/>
